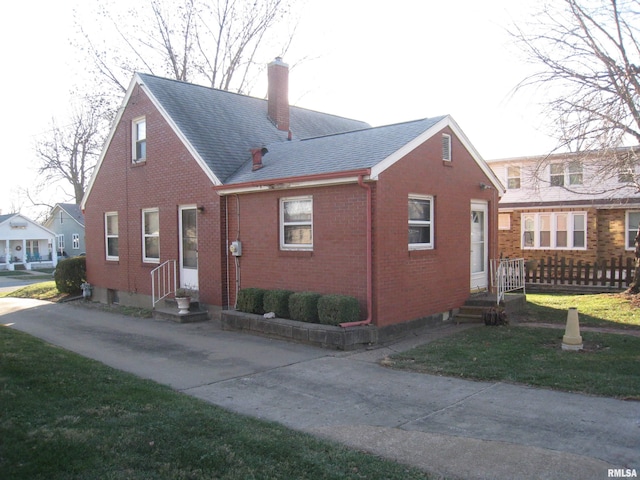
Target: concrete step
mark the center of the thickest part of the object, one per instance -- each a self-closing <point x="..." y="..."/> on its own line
<point x="167" y="313"/>
<point x="470" y="314"/>
<point x="168" y="310"/>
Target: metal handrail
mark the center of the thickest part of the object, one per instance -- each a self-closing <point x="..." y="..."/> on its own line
<point x="507" y="275"/>
<point x="163" y="281"/>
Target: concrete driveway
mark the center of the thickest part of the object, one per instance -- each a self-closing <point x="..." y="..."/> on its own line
<point x="452" y="427"/>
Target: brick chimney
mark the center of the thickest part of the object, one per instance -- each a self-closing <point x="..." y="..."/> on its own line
<point x="278" y="94"/>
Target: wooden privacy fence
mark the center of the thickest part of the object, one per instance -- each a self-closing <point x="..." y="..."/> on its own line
<point x="613" y="274"/>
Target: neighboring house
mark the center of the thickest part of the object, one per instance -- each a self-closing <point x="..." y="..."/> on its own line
<point x="558" y="205"/>
<point x="24" y="244"/>
<point x="402" y="217"/>
<point x="66" y="220"/>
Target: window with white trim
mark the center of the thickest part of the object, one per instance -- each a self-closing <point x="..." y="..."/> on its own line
<point x="556" y="175"/>
<point x="632" y="220"/>
<point x="513" y="177"/>
<point x="111" y="235"/>
<point x="574" y="172"/>
<point x="151" y="235"/>
<point x="554" y="230"/>
<point x="139" y="137"/>
<point x="60" y="242"/>
<point x="446" y="147"/>
<point x="420" y="216"/>
<point x="75" y="240"/>
<point x="296" y="223"/>
<point x="561" y="174"/>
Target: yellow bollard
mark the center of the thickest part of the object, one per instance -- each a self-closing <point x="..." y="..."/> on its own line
<point x="572" y="339"/>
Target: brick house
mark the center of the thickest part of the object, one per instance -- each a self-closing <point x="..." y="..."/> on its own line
<point x="557" y="205"/>
<point x="402" y="217"/>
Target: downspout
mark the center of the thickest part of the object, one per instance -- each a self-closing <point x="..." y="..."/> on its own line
<point x="367" y="321"/>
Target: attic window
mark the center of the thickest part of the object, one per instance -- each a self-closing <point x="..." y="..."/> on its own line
<point x="18" y="225"/>
<point x="446" y="147"/>
<point x="139" y="136"/>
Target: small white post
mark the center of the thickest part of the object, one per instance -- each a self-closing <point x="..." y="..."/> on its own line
<point x="572" y="339"/>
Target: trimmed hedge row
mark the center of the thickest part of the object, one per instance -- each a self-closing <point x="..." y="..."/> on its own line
<point x="308" y="307"/>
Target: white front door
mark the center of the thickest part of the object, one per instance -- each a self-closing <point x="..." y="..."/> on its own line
<point x="479" y="245"/>
<point x="188" y="247"/>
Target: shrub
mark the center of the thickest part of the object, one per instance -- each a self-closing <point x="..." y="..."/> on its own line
<point x="336" y="309"/>
<point x="70" y="274"/>
<point x="250" y="300"/>
<point x="303" y="306"/>
<point x="277" y="301"/>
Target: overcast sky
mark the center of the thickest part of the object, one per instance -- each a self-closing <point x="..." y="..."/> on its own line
<point x="378" y="61"/>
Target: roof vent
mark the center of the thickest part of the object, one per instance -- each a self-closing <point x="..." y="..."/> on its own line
<point x="257" y="154"/>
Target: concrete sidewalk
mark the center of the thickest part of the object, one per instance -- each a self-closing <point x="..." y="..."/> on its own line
<point x="451" y="427"/>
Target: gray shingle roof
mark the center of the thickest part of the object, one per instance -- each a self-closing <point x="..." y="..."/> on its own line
<point x="74" y="211"/>
<point x="223" y="127"/>
<point x="4" y="218"/>
<point x="333" y="153"/>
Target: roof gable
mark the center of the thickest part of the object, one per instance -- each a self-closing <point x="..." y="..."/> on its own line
<point x="17" y="221"/>
<point x="220" y="128"/>
<point x="73" y="210"/>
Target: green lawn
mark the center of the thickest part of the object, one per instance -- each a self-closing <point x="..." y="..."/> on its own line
<point x="66" y="417"/>
<point x="602" y="310"/>
<point x="609" y="365"/>
<point x="41" y="291"/>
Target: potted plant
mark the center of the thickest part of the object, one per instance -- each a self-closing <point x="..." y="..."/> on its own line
<point x="183" y="299"/>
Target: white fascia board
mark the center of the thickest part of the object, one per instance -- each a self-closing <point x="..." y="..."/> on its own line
<point x="215" y="180"/>
<point x="447" y="121"/>
<point x="286" y="185"/>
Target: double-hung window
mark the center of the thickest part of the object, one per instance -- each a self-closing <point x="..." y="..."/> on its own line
<point x="139" y="136"/>
<point x="296" y="223"/>
<point x="111" y="235"/>
<point x="556" y="175"/>
<point x="554" y="230"/>
<point x="513" y="177"/>
<point x="151" y="235"/>
<point x="420" y="222"/>
<point x="75" y="238"/>
<point x="632" y="221"/>
<point x="60" y="241"/>
<point x="575" y="173"/>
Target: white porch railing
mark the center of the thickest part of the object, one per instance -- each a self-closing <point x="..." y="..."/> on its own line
<point x="507" y="275"/>
<point x="163" y="281"/>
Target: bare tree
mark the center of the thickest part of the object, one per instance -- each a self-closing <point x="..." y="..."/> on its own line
<point x="68" y="153"/>
<point x="221" y="43"/>
<point x="587" y="55"/>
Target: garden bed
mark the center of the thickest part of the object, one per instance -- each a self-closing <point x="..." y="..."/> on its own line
<point x="326" y="336"/>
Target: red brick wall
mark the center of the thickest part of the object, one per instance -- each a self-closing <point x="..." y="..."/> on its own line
<point x="414" y="284"/>
<point x="170" y="177"/>
<point x="337" y="263"/>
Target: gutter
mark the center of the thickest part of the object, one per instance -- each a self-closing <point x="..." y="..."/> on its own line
<point x="347" y="176"/>
<point x="367" y="321"/>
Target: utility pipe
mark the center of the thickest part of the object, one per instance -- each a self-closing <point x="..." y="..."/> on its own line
<point x="367" y="321"/>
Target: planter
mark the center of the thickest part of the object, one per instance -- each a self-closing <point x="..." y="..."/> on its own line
<point x="183" y="304"/>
